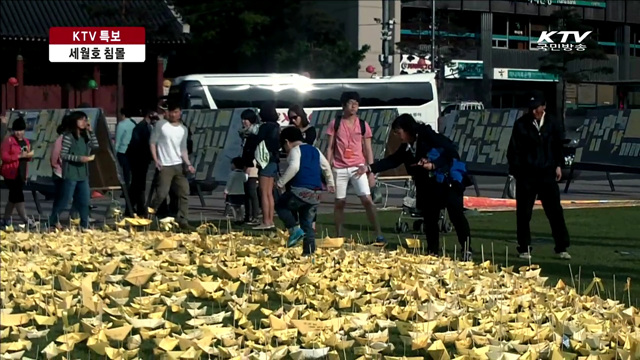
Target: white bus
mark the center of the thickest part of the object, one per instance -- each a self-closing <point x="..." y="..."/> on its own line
<point x="415" y="94"/>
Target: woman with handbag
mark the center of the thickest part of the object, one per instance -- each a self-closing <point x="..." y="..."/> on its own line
<point x="16" y="153"/>
<point x="267" y="156"/>
<point x="77" y="143"/>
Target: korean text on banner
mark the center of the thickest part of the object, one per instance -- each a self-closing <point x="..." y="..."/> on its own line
<point x="96" y="44"/>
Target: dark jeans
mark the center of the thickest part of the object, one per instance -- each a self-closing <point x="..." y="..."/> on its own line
<point x="432" y="198"/>
<point x="173" y="177"/>
<point x="138" y="186"/>
<point x="81" y="194"/>
<point x="123" y="160"/>
<point x="251" y="200"/>
<point x="549" y="194"/>
<point x="286" y="206"/>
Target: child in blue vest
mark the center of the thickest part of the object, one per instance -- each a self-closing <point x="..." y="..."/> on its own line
<point x="300" y="186"/>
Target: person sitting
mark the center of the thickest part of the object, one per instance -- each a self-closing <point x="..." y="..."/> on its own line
<point x="300" y="186"/>
<point x="440" y="178"/>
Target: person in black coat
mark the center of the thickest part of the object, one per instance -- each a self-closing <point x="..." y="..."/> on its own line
<point x="249" y="136"/>
<point x="432" y="161"/>
<point x="535" y="161"/>
<point x="139" y="155"/>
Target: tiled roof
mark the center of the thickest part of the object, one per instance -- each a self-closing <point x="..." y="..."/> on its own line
<point x="31" y="19"/>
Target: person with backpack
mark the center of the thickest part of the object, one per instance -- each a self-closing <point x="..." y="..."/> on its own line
<point x="431" y="159"/>
<point x="77" y="143"/>
<point x="349" y="152"/>
<point x="267" y="156"/>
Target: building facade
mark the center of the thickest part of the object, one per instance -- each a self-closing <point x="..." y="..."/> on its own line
<point x="359" y="21"/>
<point x="500" y="56"/>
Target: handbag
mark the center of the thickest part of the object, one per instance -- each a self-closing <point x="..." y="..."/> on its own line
<point x="262" y="155"/>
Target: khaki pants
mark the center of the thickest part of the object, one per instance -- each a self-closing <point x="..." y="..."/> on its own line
<point x="173" y="176"/>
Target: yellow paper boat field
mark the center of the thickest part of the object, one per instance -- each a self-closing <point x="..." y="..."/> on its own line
<point x="131" y="294"/>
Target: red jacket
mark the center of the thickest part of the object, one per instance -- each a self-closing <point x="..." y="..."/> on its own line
<point x="11" y="151"/>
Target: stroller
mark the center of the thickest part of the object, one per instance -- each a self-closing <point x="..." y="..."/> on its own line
<point x="410" y="212"/>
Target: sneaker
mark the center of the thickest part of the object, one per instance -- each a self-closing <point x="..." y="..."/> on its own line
<point x="263" y="227"/>
<point x="564" y="255"/>
<point x="295" y="235"/>
<point x="525" y="256"/>
<point x="32" y="224"/>
<point x="380" y="241"/>
<point x="252" y="222"/>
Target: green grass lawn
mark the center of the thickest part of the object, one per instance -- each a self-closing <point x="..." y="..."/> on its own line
<point x="603" y="241"/>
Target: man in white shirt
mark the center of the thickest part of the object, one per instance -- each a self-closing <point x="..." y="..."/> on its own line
<point x="171" y="157"/>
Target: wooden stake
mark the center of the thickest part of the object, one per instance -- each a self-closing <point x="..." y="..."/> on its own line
<point x="482" y="251"/>
<point x="579" y="279"/>
<point x="573" y="281"/>
<point x="493" y="258"/>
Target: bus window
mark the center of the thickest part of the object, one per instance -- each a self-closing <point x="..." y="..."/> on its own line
<point x="323" y="96"/>
<point x="195" y="90"/>
<point x="370" y="94"/>
<point x="409" y="94"/>
<point x="283" y="98"/>
<point x="230" y="96"/>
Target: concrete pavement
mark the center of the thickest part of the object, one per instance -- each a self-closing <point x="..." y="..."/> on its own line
<point x="589" y="186"/>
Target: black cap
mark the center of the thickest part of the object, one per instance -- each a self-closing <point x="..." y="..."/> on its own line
<point x="536" y="101"/>
<point x="19" y="124"/>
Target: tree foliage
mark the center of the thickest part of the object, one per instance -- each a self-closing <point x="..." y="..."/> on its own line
<point x="564" y="63"/>
<point x="559" y="62"/>
<point x="266" y="36"/>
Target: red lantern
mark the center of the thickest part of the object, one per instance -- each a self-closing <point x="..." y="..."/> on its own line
<point x="13" y="81"/>
<point x="370" y="69"/>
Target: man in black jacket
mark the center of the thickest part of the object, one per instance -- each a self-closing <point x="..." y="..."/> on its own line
<point x="139" y="154"/>
<point x="535" y="161"/>
<point x="437" y="186"/>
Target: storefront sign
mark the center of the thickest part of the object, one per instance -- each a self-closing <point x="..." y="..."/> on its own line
<point x="415" y="64"/>
<point x="585" y="3"/>
<point x="522" y="75"/>
<point x="464" y="69"/>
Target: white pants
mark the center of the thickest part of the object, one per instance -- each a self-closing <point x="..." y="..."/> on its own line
<point x="345" y="176"/>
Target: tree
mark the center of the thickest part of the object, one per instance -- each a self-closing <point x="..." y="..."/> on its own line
<point x="563" y="64"/>
<point x="266" y="36"/>
<point x="447" y="48"/>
